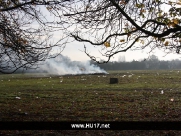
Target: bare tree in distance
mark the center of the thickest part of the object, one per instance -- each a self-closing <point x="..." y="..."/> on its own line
<point x="121" y="25"/>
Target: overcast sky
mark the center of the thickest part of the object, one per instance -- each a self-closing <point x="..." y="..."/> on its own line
<point x="73" y="51"/>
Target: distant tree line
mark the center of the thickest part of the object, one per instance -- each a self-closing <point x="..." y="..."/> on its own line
<point x="153" y="63"/>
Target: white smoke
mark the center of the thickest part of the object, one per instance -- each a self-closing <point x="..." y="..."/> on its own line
<point x="62" y="65"/>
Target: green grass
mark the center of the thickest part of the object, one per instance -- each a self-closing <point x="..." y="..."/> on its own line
<point x="137" y="97"/>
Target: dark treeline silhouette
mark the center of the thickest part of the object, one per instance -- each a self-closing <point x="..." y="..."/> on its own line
<point x="153" y="63"/>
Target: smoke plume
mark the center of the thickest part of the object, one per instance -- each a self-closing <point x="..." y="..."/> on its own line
<point x="62" y="65"/>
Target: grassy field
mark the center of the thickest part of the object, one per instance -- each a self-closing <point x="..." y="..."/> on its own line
<point x="139" y="96"/>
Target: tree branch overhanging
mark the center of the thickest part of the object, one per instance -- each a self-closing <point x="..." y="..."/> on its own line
<point x="114" y="26"/>
<point x="124" y="21"/>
